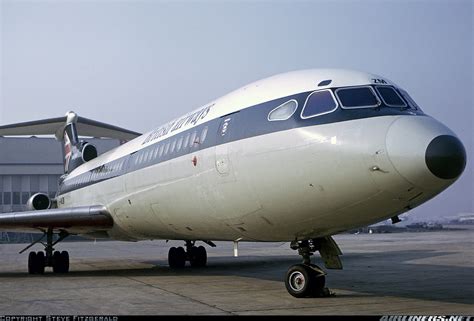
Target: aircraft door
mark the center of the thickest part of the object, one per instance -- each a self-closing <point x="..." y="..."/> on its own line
<point x="224" y="135"/>
<point x="229" y="194"/>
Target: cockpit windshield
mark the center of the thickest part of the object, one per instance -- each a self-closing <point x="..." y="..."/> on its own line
<point x="382" y="99"/>
<point x="357" y="97"/>
<point x="408" y="99"/>
<point x="390" y="97"/>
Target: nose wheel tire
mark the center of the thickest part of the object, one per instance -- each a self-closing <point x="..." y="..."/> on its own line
<point x="304" y="280"/>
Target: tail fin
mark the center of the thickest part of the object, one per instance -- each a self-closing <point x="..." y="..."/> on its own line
<point x="66" y="130"/>
<point x="71" y="144"/>
<point x="75" y="152"/>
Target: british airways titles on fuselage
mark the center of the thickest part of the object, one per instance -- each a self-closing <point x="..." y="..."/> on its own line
<point x="179" y="123"/>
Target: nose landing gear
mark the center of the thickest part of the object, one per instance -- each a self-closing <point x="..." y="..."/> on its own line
<point x="306" y="279"/>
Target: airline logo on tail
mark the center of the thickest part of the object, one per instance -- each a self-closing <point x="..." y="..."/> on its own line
<point x="67" y="151"/>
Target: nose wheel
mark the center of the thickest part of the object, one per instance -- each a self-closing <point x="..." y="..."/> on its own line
<point x="306" y="279"/>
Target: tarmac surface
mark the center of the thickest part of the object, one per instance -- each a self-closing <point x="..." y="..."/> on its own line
<point x="429" y="273"/>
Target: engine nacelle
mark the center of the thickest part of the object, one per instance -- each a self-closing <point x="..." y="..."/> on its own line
<point x="88" y="152"/>
<point x="78" y="156"/>
<point x="39" y="201"/>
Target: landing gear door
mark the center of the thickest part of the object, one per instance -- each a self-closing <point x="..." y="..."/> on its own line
<point x="224" y="135"/>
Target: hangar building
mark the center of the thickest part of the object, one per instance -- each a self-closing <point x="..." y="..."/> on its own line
<point x="31" y="165"/>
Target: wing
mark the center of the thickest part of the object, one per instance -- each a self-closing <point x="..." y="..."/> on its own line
<point x="75" y="220"/>
<point x="55" y="126"/>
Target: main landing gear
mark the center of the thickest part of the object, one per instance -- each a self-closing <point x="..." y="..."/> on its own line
<point x="59" y="261"/>
<point x="196" y="255"/>
<point x="306" y="279"/>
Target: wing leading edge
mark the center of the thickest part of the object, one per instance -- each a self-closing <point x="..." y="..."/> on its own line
<point x="84" y="218"/>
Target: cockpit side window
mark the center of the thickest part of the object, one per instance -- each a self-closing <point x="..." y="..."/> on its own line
<point x="284" y="111"/>
<point x="390" y="97"/>
<point x="357" y="97"/>
<point x="410" y="101"/>
<point x="319" y="103"/>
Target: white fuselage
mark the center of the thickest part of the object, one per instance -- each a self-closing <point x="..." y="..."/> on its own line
<point x="298" y="183"/>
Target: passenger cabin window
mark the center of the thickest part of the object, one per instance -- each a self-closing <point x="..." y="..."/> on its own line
<point x="192" y="140"/>
<point x="284" y="111"/>
<point x="357" y="97"/>
<point x="186" y="141"/>
<point x="203" y="135"/>
<point x="173" y="145"/>
<point x="390" y="97"/>
<point x="319" y="103"/>
<point x="160" y="153"/>
<point x="179" y="144"/>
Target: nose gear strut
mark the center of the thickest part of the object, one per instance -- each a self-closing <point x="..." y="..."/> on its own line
<point x="306" y="279"/>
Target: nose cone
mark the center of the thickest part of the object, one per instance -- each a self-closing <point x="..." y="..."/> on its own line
<point x="425" y="152"/>
<point x="446" y="157"/>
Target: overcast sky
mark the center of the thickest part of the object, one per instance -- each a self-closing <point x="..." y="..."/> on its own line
<point x="138" y="64"/>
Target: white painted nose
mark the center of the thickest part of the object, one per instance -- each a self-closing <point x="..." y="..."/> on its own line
<point x="425" y="152"/>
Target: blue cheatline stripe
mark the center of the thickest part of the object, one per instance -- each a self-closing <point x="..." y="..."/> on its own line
<point x="246" y="123"/>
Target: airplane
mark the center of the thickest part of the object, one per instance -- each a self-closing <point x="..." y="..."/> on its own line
<point x="297" y="157"/>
